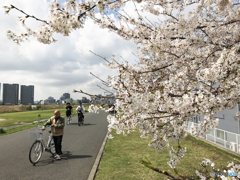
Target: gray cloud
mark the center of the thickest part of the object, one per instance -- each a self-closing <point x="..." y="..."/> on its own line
<point x="60" y="67"/>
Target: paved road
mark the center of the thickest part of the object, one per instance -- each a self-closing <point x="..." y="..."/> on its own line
<point x="80" y="147"/>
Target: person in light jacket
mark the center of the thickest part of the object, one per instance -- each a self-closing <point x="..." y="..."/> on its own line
<point x="57" y="128"/>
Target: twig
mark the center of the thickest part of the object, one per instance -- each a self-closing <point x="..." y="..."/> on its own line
<point x="31" y="16"/>
<point x="104" y="89"/>
<point x="101" y="80"/>
<point x="99" y="56"/>
<point x="80" y="91"/>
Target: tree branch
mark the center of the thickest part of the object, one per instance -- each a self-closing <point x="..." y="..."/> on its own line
<point x="80" y="91"/>
<point x="27" y="15"/>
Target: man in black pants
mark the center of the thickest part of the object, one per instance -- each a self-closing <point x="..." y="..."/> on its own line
<point x="68" y="110"/>
<point x="57" y="124"/>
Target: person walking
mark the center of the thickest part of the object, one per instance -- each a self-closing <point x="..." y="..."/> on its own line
<point x="69" y="110"/>
<point x="57" y="128"/>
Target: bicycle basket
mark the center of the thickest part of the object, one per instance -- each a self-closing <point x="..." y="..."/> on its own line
<point x="36" y="134"/>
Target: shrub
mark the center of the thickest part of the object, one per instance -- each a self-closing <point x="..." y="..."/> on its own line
<point x="29" y="108"/>
<point x="39" y="106"/>
<point x="2" y="131"/>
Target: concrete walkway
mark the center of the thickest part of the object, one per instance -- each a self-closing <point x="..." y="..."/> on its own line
<point x="82" y="151"/>
<point x="22" y="124"/>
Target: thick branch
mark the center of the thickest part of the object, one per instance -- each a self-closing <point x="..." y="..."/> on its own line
<point x="157" y="69"/>
<point x="150" y="166"/>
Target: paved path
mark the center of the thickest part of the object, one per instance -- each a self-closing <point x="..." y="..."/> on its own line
<point x="23" y="124"/>
<point x="80" y="147"/>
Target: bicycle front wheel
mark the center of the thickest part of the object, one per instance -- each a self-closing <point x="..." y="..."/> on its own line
<point x="35" y="152"/>
<point x="79" y="120"/>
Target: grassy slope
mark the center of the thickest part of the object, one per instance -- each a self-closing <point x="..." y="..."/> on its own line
<point x="122" y="155"/>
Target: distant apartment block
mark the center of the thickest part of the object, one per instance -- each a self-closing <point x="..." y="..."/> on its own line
<point x="27" y="94"/>
<point x="77" y="101"/>
<point x="10" y="94"/>
<point x="109" y="99"/>
<point x="51" y="100"/>
<point x="66" y="96"/>
<point x="84" y="100"/>
<point x="69" y="100"/>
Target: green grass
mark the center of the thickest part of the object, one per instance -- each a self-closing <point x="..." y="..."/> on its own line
<point x="26" y="116"/>
<point x="29" y="116"/>
<point x="122" y="155"/>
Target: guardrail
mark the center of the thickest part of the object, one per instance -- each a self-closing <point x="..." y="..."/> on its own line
<point x="221" y="137"/>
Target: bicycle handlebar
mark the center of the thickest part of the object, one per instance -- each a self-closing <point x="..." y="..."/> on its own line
<point x="40" y="127"/>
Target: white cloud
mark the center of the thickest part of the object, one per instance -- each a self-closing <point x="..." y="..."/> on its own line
<point x="60" y="67"/>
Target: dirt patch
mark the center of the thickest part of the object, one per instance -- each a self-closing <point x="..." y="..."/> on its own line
<point x="2" y="119"/>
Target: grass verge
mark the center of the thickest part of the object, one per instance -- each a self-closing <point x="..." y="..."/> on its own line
<point x="122" y="155"/>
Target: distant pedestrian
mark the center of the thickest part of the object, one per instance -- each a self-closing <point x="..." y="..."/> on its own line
<point x="57" y="125"/>
<point x="69" y="110"/>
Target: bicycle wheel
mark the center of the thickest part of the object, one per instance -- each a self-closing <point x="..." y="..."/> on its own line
<point x="82" y="120"/>
<point x="79" y="120"/>
<point x="35" y="152"/>
<point x="67" y="120"/>
<point x="52" y="147"/>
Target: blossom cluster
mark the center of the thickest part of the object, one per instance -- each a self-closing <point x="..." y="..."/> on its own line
<point x="176" y="155"/>
<point x="188" y="65"/>
<point x="93" y="109"/>
<point x="233" y="168"/>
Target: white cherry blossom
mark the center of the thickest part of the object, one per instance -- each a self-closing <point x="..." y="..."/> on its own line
<point x="188" y="64"/>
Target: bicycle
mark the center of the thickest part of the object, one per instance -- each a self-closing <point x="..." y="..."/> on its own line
<point x="38" y="146"/>
<point x="80" y="118"/>
<point x="111" y="110"/>
<point x="69" y="119"/>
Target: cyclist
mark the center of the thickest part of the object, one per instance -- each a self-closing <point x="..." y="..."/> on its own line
<point x="57" y="124"/>
<point x="80" y="110"/>
<point x="68" y="110"/>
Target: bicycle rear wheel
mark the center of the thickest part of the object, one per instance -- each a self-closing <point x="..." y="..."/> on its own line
<point x="52" y="147"/>
<point x="67" y="120"/>
<point x="35" y="152"/>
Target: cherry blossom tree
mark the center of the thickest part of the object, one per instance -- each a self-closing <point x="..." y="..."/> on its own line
<point x="188" y="62"/>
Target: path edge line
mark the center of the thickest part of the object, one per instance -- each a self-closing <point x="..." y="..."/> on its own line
<point x="97" y="161"/>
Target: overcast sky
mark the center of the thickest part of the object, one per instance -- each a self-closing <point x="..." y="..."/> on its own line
<point x="60" y="67"/>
